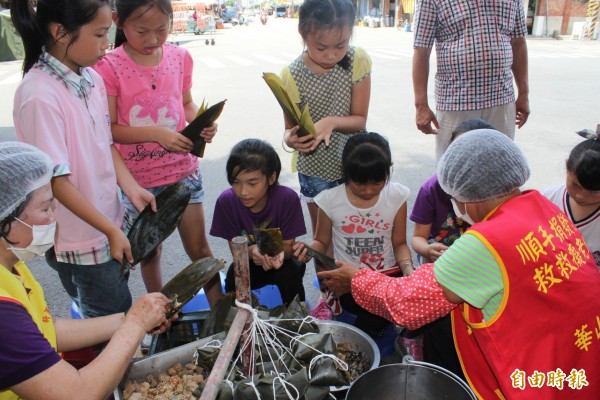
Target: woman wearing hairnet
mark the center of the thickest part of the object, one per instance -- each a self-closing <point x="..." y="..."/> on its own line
<point x="30" y="365"/>
<point x="521" y="285"/>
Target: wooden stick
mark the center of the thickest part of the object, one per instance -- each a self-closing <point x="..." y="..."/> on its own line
<point x="213" y="383"/>
<point x="241" y="267"/>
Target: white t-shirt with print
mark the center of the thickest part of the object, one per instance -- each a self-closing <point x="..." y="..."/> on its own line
<point x="363" y="236"/>
<point x="589" y="226"/>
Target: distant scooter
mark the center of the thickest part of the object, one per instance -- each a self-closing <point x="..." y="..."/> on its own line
<point x="263" y="19"/>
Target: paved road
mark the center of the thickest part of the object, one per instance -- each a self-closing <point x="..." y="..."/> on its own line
<point x="564" y="83"/>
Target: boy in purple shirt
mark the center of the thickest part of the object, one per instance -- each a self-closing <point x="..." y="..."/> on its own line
<point x="257" y="199"/>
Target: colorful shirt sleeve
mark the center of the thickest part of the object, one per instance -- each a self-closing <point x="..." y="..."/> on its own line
<point x="520" y="21"/>
<point x="423" y="211"/>
<point x="362" y="65"/>
<point x="39" y="116"/>
<point x="292" y="219"/>
<point x="223" y="225"/>
<point x="107" y="71"/>
<point x="470" y="270"/>
<point x="188" y="69"/>
<point x="24" y="351"/>
<point x="411" y="301"/>
<point x="425" y="23"/>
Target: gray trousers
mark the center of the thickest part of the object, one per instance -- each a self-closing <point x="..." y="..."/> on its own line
<point x="501" y="117"/>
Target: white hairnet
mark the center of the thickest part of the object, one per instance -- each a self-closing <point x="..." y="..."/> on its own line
<point x="23" y="169"/>
<point x="481" y="165"/>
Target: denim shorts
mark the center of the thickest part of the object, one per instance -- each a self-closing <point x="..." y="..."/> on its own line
<point x="97" y="289"/>
<point x="193" y="182"/>
<point x="310" y="186"/>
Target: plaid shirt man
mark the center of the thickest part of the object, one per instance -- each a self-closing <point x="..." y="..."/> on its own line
<point x="473" y="46"/>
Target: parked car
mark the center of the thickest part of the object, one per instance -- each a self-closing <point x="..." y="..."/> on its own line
<point x="229" y="13"/>
<point x="281" y="11"/>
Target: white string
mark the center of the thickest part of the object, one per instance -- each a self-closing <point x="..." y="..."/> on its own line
<point x="267" y="332"/>
<point x="283" y="385"/>
<point x="253" y="386"/>
<point x="218" y="345"/>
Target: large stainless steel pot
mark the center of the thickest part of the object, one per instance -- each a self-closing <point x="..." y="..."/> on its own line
<point x="411" y="380"/>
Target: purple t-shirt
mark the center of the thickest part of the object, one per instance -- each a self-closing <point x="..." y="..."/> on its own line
<point x="24" y="351"/>
<point x="433" y="206"/>
<point x="231" y="218"/>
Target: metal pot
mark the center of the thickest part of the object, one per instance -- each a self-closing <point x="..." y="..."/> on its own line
<point x="341" y="333"/>
<point x="411" y="380"/>
<point x="361" y="342"/>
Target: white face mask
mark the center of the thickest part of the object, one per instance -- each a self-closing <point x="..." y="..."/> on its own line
<point x="43" y="239"/>
<point x="465" y="217"/>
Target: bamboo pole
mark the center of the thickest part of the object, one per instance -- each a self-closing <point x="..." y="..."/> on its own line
<point x="241" y="267"/>
<point x="239" y="327"/>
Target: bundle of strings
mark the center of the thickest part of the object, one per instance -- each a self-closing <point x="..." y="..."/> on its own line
<point x="266" y="347"/>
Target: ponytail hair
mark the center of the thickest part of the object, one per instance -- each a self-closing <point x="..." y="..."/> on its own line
<point x="33" y="25"/>
<point x="367" y="158"/>
<point x="584" y="163"/>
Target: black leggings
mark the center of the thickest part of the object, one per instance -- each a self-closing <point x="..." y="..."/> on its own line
<point x="288" y="279"/>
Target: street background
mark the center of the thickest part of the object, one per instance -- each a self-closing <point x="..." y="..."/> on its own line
<point x="564" y="77"/>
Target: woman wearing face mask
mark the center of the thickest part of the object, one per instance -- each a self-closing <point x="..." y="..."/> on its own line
<point x="30" y="340"/>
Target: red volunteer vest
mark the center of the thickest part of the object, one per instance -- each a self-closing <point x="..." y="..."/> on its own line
<point x="544" y="341"/>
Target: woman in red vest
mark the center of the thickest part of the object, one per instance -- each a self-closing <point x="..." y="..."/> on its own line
<point x="521" y="285"/>
<point x="30" y="340"/>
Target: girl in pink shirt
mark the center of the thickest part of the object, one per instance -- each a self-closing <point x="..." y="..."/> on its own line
<point x="61" y="108"/>
<point x="149" y="85"/>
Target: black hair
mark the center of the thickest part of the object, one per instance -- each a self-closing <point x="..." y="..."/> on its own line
<point x="124" y="9"/>
<point x="12" y="217"/>
<point x="470" y="125"/>
<point x="326" y="14"/>
<point x="253" y="155"/>
<point x="584" y="162"/>
<point x="366" y="158"/>
<point x="33" y="25"/>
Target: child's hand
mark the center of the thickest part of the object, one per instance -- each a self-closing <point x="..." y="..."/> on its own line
<point x="435" y="250"/>
<point x="255" y="255"/>
<point x="140" y="198"/>
<point x="272" y="262"/>
<point x="119" y="245"/>
<point x="407" y="269"/>
<point x="209" y="133"/>
<point x="302" y="144"/>
<point x="173" y="141"/>
<point x="324" y="130"/>
<point x="299" y="252"/>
